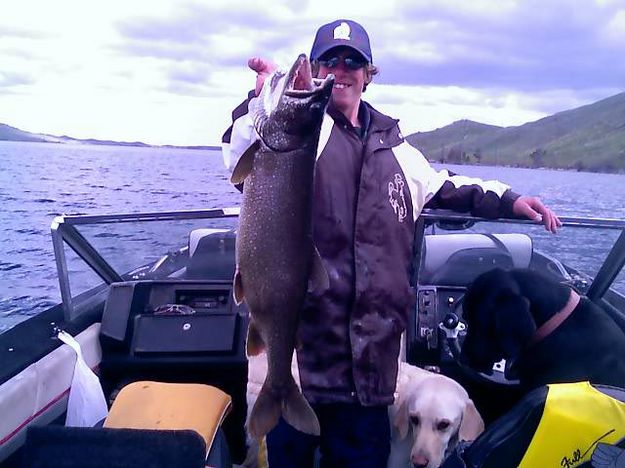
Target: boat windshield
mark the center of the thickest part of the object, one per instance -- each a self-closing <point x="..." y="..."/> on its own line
<point x="94" y="251"/>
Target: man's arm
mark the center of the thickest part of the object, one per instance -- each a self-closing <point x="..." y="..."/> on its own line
<point x="484" y="198"/>
<point x="241" y="134"/>
<point x="474" y="196"/>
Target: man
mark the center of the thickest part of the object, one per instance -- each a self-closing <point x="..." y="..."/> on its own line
<point x="370" y="186"/>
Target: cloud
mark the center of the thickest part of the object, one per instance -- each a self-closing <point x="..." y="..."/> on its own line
<point x="206" y="35"/>
<point x="524" y="45"/>
<point x="528" y="46"/>
<point x="8" y="32"/>
<point x="193" y="22"/>
<point x="167" y="62"/>
<point x="161" y="50"/>
<point x="189" y="73"/>
<point x="10" y="79"/>
<point x="197" y="49"/>
<point x="615" y="30"/>
<point x="423" y="108"/>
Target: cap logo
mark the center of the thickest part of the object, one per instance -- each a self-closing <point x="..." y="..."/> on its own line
<point x="342" y="31"/>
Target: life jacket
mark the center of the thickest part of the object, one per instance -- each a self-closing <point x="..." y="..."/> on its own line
<point x="561" y="426"/>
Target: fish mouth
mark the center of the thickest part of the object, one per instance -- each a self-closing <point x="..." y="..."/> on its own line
<point x="301" y="84"/>
<point x="290" y="106"/>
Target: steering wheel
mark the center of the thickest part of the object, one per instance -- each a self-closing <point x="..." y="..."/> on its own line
<point x="452" y="326"/>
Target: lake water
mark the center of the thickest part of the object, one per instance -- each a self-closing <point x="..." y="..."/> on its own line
<point x="39" y="181"/>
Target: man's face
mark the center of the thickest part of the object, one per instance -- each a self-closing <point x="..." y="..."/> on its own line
<point x="349" y="70"/>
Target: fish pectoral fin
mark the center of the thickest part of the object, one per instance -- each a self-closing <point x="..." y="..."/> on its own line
<point x="245" y="164"/>
<point x="237" y="288"/>
<point x="318" y="281"/>
<point x="254" y="344"/>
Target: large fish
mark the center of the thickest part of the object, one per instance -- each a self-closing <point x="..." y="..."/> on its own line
<point x="275" y="254"/>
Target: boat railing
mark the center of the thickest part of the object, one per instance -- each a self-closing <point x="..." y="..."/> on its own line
<point x="65" y="232"/>
<point x="610" y="268"/>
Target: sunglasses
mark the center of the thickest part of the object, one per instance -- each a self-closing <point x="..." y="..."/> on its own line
<point x="352" y="62"/>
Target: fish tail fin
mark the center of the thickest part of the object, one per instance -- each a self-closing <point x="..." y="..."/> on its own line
<point x="297" y="412"/>
<point x="265" y="413"/>
<point x="293" y="407"/>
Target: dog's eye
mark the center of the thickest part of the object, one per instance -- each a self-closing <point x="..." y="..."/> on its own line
<point x="414" y="420"/>
<point x="443" y="425"/>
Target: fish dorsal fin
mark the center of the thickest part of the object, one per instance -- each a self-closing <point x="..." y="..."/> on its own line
<point x="319" y="281"/>
<point x="245" y="164"/>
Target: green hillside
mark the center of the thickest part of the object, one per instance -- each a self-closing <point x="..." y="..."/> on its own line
<point x="591" y="137"/>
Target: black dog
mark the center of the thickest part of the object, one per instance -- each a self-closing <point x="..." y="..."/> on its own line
<point x="549" y="333"/>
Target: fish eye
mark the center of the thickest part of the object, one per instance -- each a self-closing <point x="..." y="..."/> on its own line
<point x="443" y="425"/>
<point x="415" y="420"/>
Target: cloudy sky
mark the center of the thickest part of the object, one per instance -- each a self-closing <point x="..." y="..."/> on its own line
<point x="170" y="71"/>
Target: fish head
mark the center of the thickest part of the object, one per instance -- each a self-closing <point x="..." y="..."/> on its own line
<point x="288" y="112"/>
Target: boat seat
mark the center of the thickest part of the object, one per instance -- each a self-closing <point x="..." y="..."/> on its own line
<point x="152" y="424"/>
<point x="211" y="254"/>
<point x="57" y="446"/>
<point x="457" y="259"/>
<point x="170" y="406"/>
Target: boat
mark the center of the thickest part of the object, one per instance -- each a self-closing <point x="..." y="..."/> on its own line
<point x="148" y="298"/>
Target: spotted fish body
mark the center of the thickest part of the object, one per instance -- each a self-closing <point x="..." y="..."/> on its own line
<point x="276" y="257"/>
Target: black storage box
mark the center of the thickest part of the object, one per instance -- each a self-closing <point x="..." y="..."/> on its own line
<point x="178" y="331"/>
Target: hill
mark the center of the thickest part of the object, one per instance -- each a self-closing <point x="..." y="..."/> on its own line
<point x="15" y="134"/>
<point x="8" y="133"/>
<point x="590" y="137"/>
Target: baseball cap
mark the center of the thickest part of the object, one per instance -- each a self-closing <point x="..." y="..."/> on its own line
<point x="342" y="32"/>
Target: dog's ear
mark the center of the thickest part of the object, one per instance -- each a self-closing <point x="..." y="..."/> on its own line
<point x="514" y="322"/>
<point x="400" y="419"/>
<point x="472" y="423"/>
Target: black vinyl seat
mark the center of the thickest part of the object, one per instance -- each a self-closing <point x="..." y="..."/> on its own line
<point x="97" y="447"/>
<point x="211" y="254"/>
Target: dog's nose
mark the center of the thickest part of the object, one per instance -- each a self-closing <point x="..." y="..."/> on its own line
<point x="419" y="461"/>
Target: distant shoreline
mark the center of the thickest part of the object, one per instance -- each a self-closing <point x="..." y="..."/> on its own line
<point x="443" y="164"/>
<point x="200" y="147"/>
<point x="8" y="133"/>
<point x="112" y="143"/>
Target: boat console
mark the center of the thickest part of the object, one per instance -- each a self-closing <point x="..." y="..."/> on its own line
<point x="165" y="319"/>
<point x="448" y="264"/>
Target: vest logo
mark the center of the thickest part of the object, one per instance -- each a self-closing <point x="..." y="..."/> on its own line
<point x="396" y="197"/>
<point x="343" y="31"/>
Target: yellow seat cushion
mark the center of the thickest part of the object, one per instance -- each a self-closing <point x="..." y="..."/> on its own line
<point x="170" y="406"/>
